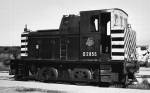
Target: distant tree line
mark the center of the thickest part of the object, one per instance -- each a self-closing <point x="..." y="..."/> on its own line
<point x="9" y="52"/>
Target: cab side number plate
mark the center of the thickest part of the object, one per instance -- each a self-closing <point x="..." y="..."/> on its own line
<point x="89" y="54"/>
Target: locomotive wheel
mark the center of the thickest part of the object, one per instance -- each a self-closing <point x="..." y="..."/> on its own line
<point x="81" y="74"/>
<point x="33" y="69"/>
<point x="46" y="74"/>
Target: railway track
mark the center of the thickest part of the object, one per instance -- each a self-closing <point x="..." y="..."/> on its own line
<point x="143" y="74"/>
<point x="8" y="83"/>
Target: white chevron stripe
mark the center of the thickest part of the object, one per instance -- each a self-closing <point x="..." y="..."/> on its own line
<point x="117" y="34"/>
<point x="117" y="50"/>
<point x="24" y="43"/>
<point x="24" y="54"/>
<point x="117" y="57"/>
<point x="24" y="49"/>
<point x="117" y="42"/>
<point x="23" y="38"/>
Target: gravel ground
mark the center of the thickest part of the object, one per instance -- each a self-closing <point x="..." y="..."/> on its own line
<point x="144" y="72"/>
<point x="8" y="85"/>
<point x="25" y="90"/>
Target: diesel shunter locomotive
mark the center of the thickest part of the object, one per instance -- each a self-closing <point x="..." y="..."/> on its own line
<point x="97" y="46"/>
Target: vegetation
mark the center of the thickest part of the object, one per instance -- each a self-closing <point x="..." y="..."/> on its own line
<point x="7" y="54"/>
<point x="30" y="90"/>
<point x="143" y="85"/>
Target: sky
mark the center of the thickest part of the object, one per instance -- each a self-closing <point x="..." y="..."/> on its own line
<point x="47" y="14"/>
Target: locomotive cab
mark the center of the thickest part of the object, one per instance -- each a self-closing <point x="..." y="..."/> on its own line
<point x="95" y="35"/>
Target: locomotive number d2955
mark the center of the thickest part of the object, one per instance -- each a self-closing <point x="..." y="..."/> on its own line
<point x="89" y="53"/>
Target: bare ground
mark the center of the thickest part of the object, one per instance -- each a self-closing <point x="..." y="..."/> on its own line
<point x="8" y="85"/>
